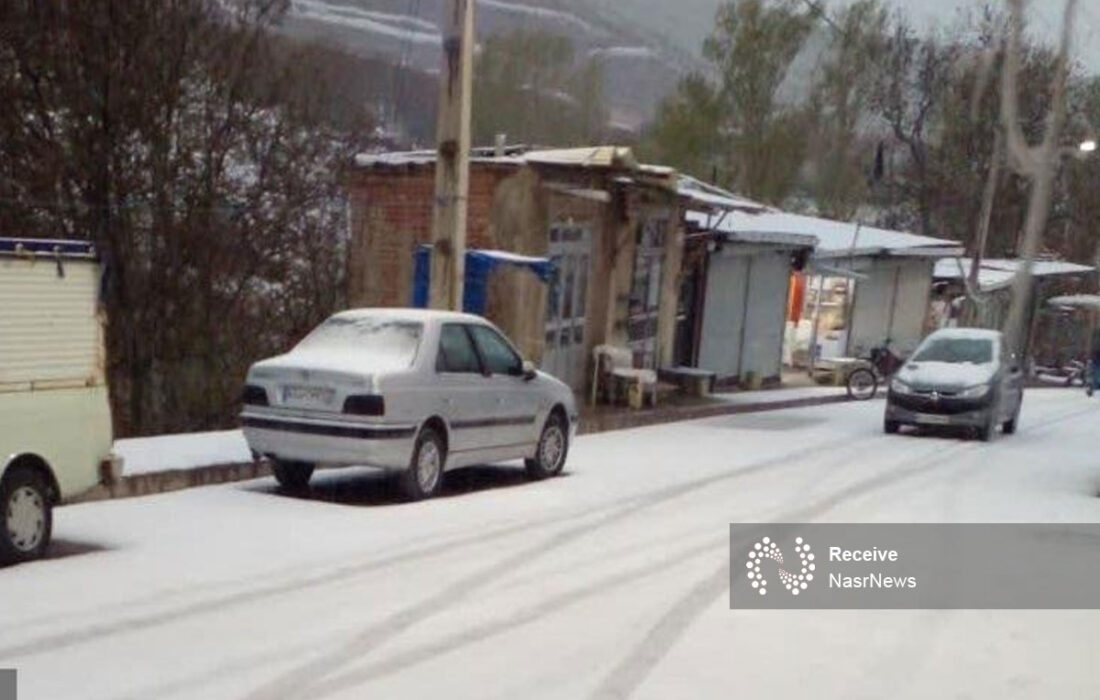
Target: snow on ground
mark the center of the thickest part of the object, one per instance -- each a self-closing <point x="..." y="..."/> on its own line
<point x="766" y="396"/>
<point x="195" y="450"/>
<point x="609" y="582"/>
<point x="187" y="451"/>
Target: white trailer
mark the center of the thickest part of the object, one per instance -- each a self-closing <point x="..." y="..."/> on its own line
<point x="55" y="417"/>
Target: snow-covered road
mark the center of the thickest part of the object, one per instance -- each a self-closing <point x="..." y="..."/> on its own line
<point x="609" y="582"/>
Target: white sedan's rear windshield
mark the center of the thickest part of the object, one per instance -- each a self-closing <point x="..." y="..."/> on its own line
<point x="393" y="339"/>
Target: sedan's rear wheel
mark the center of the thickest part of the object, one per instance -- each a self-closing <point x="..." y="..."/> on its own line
<point x="424" y="477"/>
<point x="552" y="449"/>
<point x="27" y="516"/>
<point x="292" y="475"/>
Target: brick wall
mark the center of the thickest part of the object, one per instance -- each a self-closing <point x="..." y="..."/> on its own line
<point x="391" y="215"/>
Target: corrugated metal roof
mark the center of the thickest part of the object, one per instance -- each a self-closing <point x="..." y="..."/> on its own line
<point x="836" y="239"/>
<point x="997" y="273"/>
<point x="710" y="196"/>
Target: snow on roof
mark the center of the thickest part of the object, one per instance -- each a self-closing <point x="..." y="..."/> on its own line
<point x="949" y="267"/>
<point x="421" y="315"/>
<point x="836" y="239"/>
<point x="1078" y="301"/>
<point x="997" y="273"/>
<point x="415" y="158"/>
<point x="711" y="196"/>
<point x="514" y="258"/>
<point x="588" y="157"/>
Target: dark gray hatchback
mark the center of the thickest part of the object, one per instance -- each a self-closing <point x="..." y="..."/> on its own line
<point x="958" y="377"/>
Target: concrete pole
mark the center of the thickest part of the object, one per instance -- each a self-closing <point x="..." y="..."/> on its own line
<point x="452" y="170"/>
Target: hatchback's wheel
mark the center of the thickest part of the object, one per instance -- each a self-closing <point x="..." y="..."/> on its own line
<point x="27" y="516"/>
<point x="985" y="432"/>
<point x="890" y="427"/>
<point x="1010" y="425"/>
<point x="292" y="475"/>
<point x="552" y="449"/>
<point x="424" y="477"/>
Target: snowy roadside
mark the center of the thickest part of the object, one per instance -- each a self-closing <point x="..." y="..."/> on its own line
<point x="164" y="463"/>
<point x="767" y="396"/>
<point x="165" y="453"/>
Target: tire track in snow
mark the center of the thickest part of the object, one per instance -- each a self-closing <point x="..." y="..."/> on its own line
<point x="629" y="674"/>
<point x="526" y="615"/>
<point x="536" y="612"/>
<point x="299" y="682"/>
<point x="615" y="511"/>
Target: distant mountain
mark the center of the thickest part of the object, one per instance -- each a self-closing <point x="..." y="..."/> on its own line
<point x="645" y="45"/>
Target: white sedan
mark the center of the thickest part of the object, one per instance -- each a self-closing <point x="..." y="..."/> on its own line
<point x="414" y="392"/>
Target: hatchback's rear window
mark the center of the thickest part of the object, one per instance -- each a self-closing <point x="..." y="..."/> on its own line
<point x="977" y="351"/>
<point x="395" y="340"/>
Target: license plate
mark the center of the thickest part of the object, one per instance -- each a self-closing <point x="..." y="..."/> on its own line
<point x="311" y="395"/>
<point x="932" y="419"/>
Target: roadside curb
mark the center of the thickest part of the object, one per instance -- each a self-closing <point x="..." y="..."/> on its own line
<point x="153" y="483"/>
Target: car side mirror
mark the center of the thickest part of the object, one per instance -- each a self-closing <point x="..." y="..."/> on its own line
<point x="529" y="371"/>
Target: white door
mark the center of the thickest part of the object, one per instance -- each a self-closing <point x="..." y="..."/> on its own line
<point x="463" y="398"/>
<point x="512" y="403"/>
<point x="567" y="308"/>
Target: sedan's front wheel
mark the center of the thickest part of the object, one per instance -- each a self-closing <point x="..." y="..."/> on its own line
<point x="424" y="477"/>
<point x="26" y="516"/>
<point x="552" y="449"/>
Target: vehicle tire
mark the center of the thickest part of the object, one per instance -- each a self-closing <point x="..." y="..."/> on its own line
<point x="292" y="475"/>
<point x="26" y="516"/>
<point x="985" y="433"/>
<point x="1010" y="425"/>
<point x="862" y="384"/>
<point x="891" y="427"/>
<point x="552" y="450"/>
<point x="424" y="477"/>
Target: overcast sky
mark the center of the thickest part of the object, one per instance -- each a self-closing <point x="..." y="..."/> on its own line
<point x="1045" y="17"/>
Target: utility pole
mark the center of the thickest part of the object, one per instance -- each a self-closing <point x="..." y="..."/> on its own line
<point x="452" y="169"/>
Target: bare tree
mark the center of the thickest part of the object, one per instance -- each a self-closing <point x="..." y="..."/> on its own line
<point x="194" y="148"/>
<point x="1038" y="163"/>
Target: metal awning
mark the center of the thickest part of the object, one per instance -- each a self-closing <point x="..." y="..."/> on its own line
<point x="831" y="271"/>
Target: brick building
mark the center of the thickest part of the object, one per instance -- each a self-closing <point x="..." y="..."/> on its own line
<point x="614" y="227"/>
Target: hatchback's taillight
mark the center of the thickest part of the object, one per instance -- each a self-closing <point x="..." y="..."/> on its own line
<point x="254" y="395"/>
<point x="365" y="405"/>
